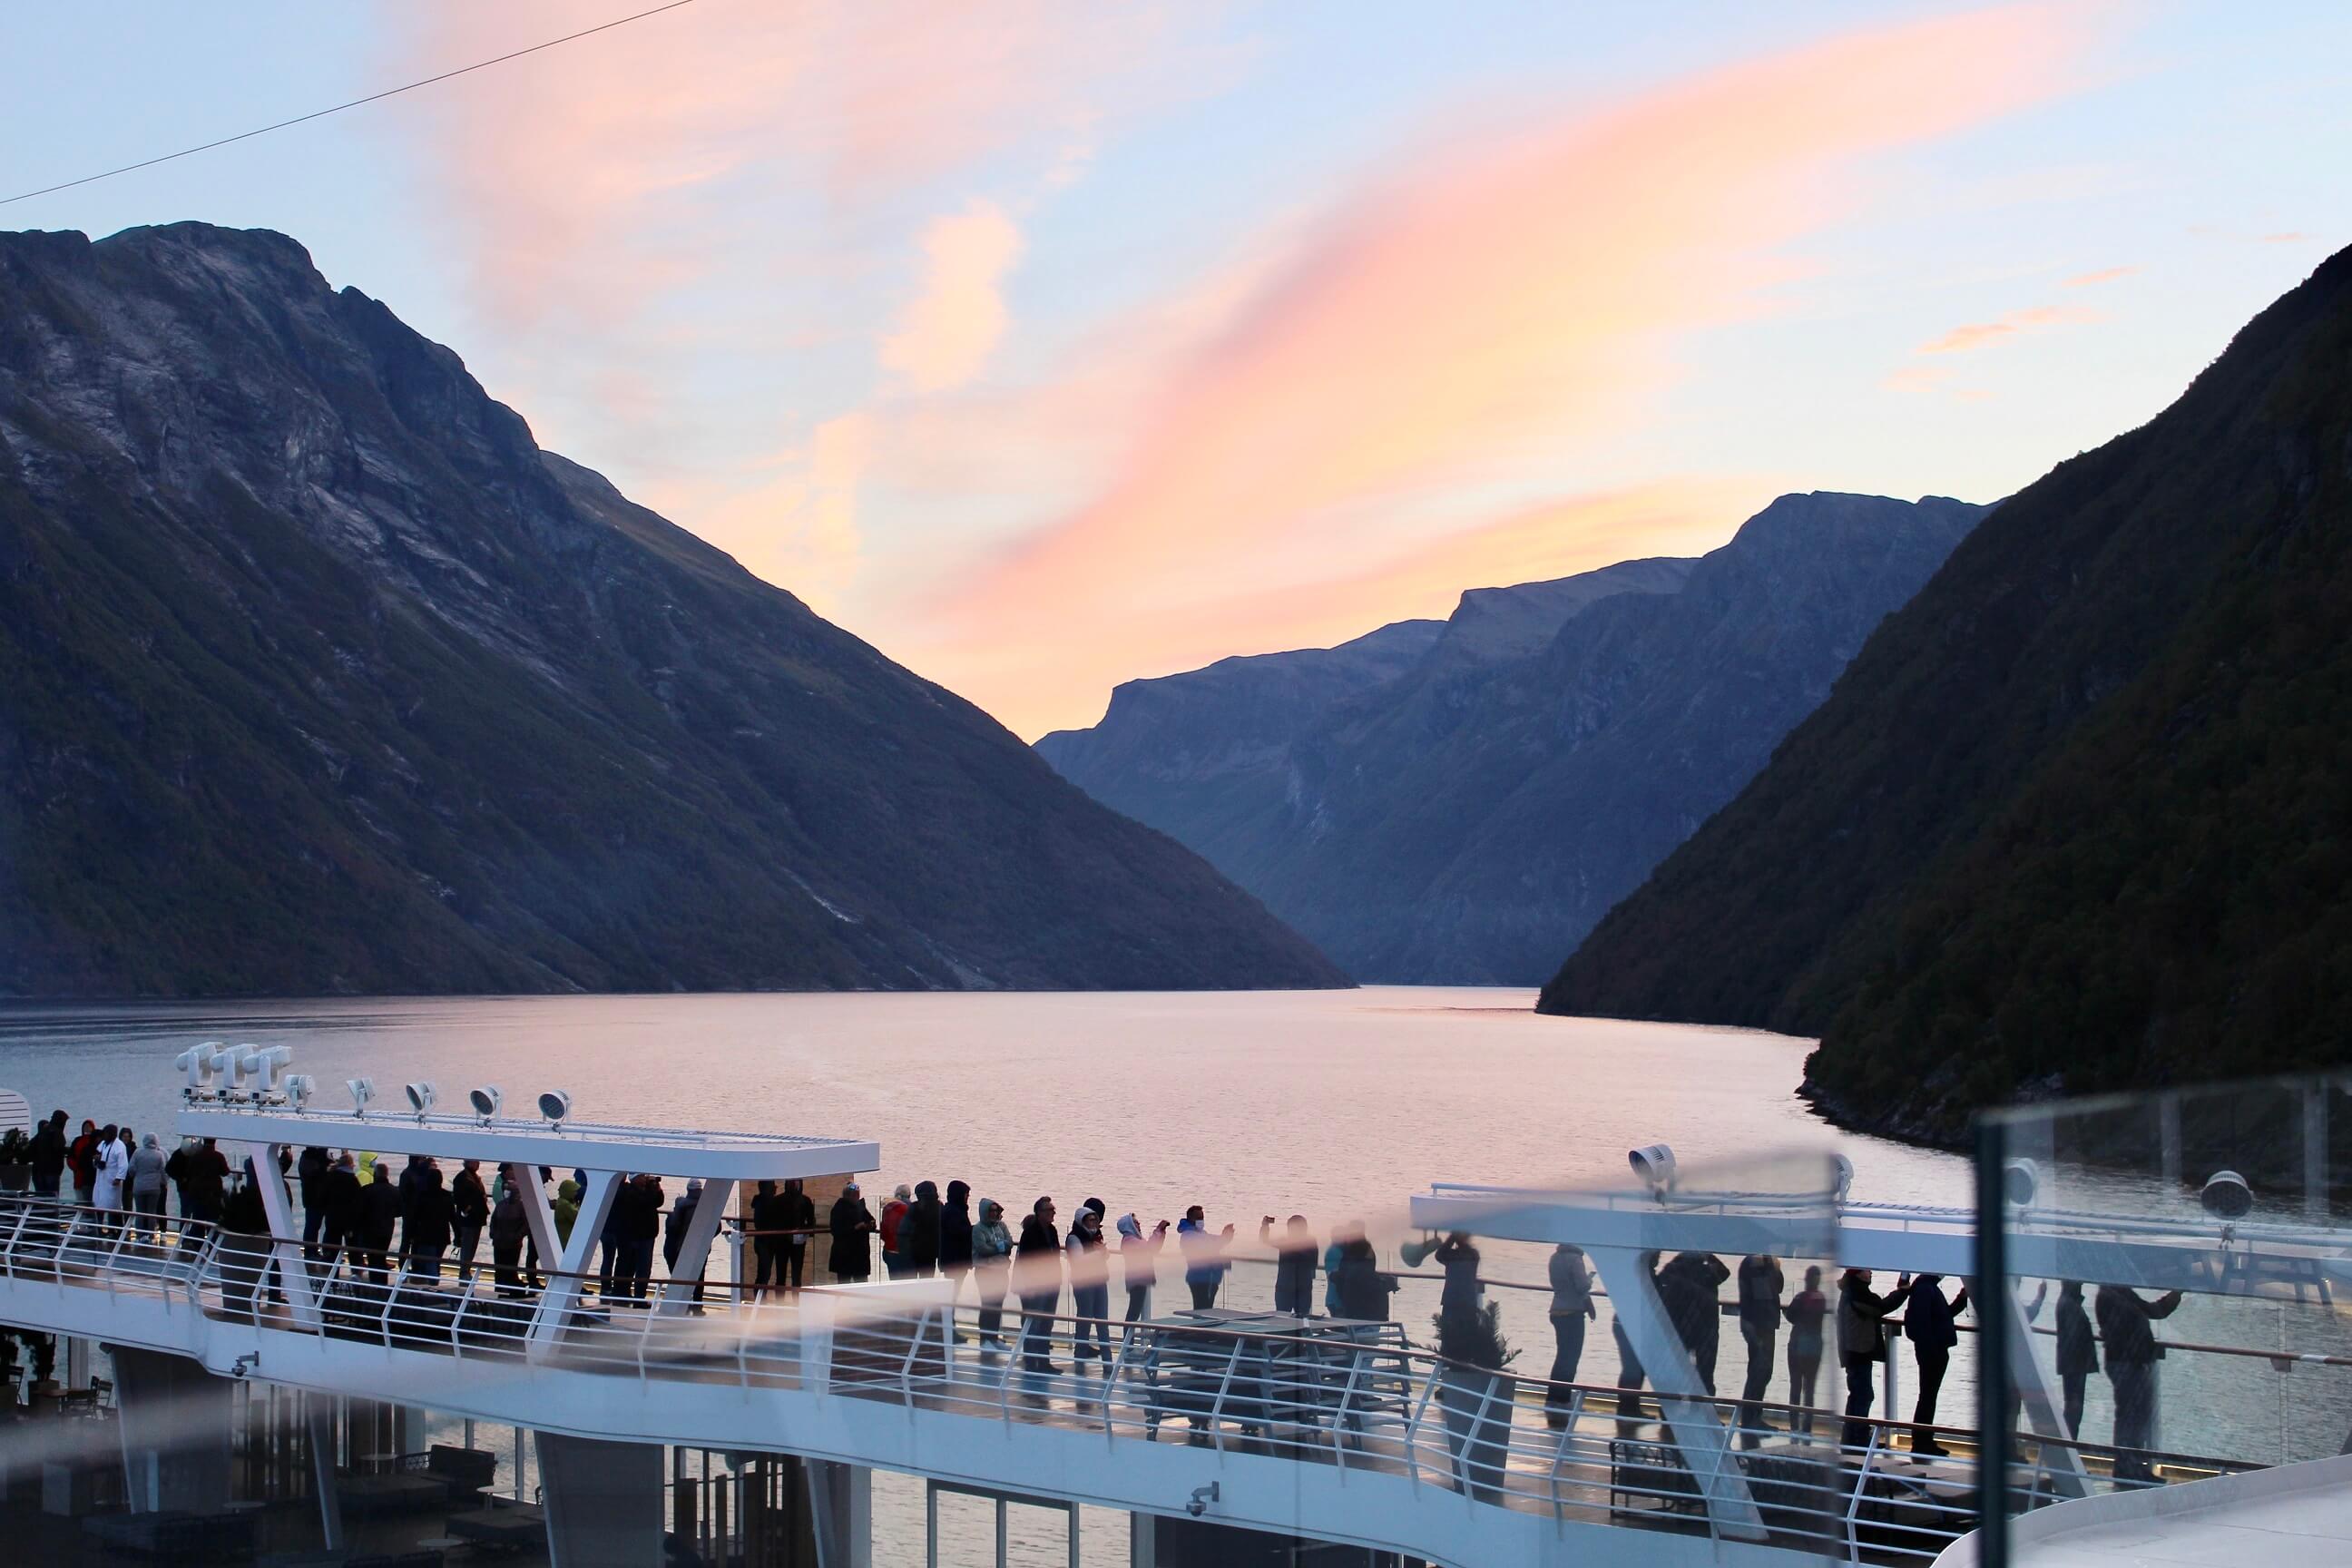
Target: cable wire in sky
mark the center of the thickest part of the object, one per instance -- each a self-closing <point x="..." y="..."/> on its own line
<point x="354" y="103"/>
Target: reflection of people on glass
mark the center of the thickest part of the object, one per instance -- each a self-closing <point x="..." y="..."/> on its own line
<point x="2078" y="1353"/>
<point x="1927" y="1325"/>
<point x="1760" y="1284"/>
<point x="2132" y="1355"/>
<point x="1805" y="1312"/>
<point x="1862" y="1345"/>
<point x="1571" y="1304"/>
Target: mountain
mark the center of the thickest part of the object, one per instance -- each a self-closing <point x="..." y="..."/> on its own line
<point x="1467" y="819"/>
<point x="317" y="675"/>
<point x="2078" y="816"/>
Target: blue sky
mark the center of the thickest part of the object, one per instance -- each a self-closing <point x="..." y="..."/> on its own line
<point x="1048" y="346"/>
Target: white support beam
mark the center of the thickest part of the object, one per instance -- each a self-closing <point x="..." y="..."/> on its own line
<point x="1689" y="1408"/>
<point x="538" y="1212"/>
<point x="562" y="1292"/>
<point x="286" y="1248"/>
<point x="2065" y="1461"/>
<point x="694" y="1251"/>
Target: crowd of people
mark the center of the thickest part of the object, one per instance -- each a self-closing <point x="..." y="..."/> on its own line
<point x="418" y="1221"/>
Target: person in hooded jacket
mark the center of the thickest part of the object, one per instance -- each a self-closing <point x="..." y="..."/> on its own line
<point x="1862" y="1345"/>
<point x="645" y="1236"/>
<point x="1139" y="1257"/>
<point x="1205" y="1256"/>
<point x="1363" y="1290"/>
<point x="339" y="1208"/>
<point x="767" y="1217"/>
<point x="1927" y="1325"/>
<point x="799" y="1217"/>
<point x="991" y="1259"/>
<point x="471" y="1204"/>
<point x="48" y="1155"/>
<point x="2078" y="1353"/>
<point x="1037" y="1281"/>
<point x="1686" y="1287"/>
<point x="894" y="1216"/>
<point x="81" y="1157"/>
<point x="309" y="1171"/>
<point x="852" y="1225"/>
<point x="955" y="1234"/>
<point x="145" y="1185"/>
<point x="424" y="1226"/>
<point x="509" y="1228"/>
<point x="682" y="1219"/>
<point x="1091" y="1284"/>
<point x="918" y="1233"/>
<point x="1294" y="1264"/>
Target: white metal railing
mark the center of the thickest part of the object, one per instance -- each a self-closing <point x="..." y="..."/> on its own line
<point x="1352" y="1396"/>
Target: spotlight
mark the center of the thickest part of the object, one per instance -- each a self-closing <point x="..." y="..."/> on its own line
<point x="270" y="1066"/>
<point x="1198" y="1503"/>
<point x="201" y="1064"/>
<point x="363" y="1090"/>
<point x="1655" y="1165"/>
<point x="2020" y="1180"/>
<point x="300" y="1088"/>
<point x="420" y="1099"/>
<point x="555" y="1105"/>
<point x="485" y="1101"/>
<point x="2226" y="1196"/>
<point x="241" y="1063"/>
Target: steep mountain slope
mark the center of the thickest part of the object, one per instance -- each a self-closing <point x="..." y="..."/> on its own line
<point x="316" y="674"/>
<point x="1471" y="818"/>
<point x="2077" y="815"/>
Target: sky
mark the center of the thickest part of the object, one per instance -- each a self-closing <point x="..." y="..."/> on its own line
<point x="1048" y="346"/>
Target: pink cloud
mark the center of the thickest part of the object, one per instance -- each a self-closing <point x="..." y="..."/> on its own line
<point x="2093" y="279"/>
<point x="1507" y="299"/>
<point x="1977" y="334"/>
<point x="953" y="325"/>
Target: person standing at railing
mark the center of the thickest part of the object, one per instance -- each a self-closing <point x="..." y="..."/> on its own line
<point x="109" y="1164"/>
<point x="894" y="1214"/>
<point x="1861" y="1346"/>
<point x="955" y="1236"/>
<point x="1760" y="1284"/>
<point x="2078" y="1353"/>
<point x="1294" y="1264"/>
<point x="1927" y="1325"/>
<point x="379" y="1217"/>
<point x="509" y="1228"/>
<point x="1364" y="1290"/>
<point x="799" y="1214"/>
<point x="82" y="1158"/>
<point x="339" y="1207"/>
<point x="48" y="1155"/>
<point x="1462" y="1292"/>
<point x="1571" y="1307"/>
<point x="1037" y="1281"/>
<point x="1138" y="1259"/>
<point x="1688" y="1287"/>
<point x="1805" y="1312"/>
<point x="851" y="1226"/>
<point x="2132" y="1353"/>
<point x="1091" y="1284"/>
<point x="147" y="1184"/>
<point x="471" y="1204"/>
<point x="309" y="1172"/>
<point x="918" y="1233"/>
<point x="424" y="1226"/>
<point x="1205" y="1256"/>
<point x="992" y="1258"/>
<point x="767" y="1241"/>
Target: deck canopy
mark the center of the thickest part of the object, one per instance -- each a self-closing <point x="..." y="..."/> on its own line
<point x="501" y="1140"/>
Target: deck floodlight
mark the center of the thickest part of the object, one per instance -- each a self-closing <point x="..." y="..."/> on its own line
<point x="363" y="1090"/>
<point x="1655" y="1167"/>
<point x="241" y="1065"/>
<point x="2226" y="1196"/>
<point x="2020" y="1180"/>
<point x="485" y="1101"/>
<point x="201" y="1064"/>
<point x="270" y="1065"/>
<point x="300" y="1087"/>
<point x="420" y="1098"/>
<point x="555" y="1105"/>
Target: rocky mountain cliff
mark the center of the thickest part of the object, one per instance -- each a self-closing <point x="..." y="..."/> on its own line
<point x="2078" y="817"/>
<point x="317" y="675"/>
<point x="1469" y="818"/>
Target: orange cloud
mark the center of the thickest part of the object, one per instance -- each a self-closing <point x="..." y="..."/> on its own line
<point x="2091" y="279"/>
<point x="1504" y="304"/>
<point x="1977" y="334"/>
<point x="954" y="324"/>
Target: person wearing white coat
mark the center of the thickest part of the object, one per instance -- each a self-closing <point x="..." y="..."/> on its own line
<point x="112" y="1163"/>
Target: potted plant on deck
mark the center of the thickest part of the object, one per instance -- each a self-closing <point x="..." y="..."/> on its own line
<point x="1476" y="1396"/>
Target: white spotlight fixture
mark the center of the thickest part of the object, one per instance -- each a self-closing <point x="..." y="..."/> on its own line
<point x="2020" y="1180"/>
<point x="201" y="1064"/>
<point x="420" y="1099"/>
<point x="241" y="1065"/>
<point x="555" y="1105"/>
<point x="300" y="1087"/>
<point x="363" y="1090"/>
<point x="1655" y="1167"/>
<point x="2226" y="1196"/>
<point x="270" y="1066"/>
<point x="485" y="1101"/>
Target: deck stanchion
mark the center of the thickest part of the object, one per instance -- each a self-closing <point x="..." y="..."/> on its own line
<point x="1993" y="1371"/>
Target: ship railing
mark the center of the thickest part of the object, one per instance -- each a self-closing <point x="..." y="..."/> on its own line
<point x="1356" y="1397"/>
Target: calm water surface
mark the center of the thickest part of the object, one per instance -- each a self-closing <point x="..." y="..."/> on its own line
<point x="1333" y="1104"/>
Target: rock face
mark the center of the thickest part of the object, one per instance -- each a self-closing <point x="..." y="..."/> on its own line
<point x="317" y="675"/>
<point x="1469" y="818"/>
<point x="2078" y="816"/>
